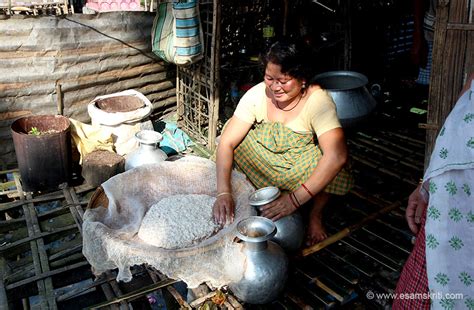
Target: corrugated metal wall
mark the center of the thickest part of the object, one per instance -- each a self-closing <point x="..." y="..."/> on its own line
<point x="48" y="60"/>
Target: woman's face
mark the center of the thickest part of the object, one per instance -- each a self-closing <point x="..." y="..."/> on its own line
<point x="282" y="86"/>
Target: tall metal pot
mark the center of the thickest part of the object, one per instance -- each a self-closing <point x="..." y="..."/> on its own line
<point x="266" y="266"/>
<point x="290" y="229"/>
<point x="348" y="89"/>
<point x="148" y="151"/>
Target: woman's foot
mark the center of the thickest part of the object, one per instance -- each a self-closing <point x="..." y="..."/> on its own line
<point x="316" y="232"/>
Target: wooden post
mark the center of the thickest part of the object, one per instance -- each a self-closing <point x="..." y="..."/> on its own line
<point x="59" y="95"/>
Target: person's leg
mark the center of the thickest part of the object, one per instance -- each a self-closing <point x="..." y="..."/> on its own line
<point x="316" y="231"/>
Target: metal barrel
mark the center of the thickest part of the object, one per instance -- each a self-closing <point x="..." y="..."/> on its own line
<point x="43" y="151"/>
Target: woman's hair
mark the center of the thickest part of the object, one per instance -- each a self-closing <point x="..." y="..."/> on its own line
<point x="293" y="56"/>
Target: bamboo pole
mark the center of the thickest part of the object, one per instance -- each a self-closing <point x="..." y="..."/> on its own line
<point x="74" y="212"/>
<point x="137" y="293"/>
<point x="351" y="281"/>
<point x="41" y="276"/>
<point x="59" y="95"/>
<point x="176" y="295"/>
<point x="35" y="237"/>
<point x="3" y="292"/>
<point x="34" y="250"/>
<point x="9" y="205"/>
<point x="79" y="290"/>
<point x="347" y="231"/>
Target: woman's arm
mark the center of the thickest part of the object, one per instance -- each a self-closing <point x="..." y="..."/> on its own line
<point x="334" y="148"/>
<point x="334" y="157"/>
<point x="234" y="133"/>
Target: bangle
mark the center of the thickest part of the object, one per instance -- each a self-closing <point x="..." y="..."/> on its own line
<point x="223" y="193"/>
<point x="293" y="202"/>
<point x="307" y="190"/>
<point x="294" y="196"/>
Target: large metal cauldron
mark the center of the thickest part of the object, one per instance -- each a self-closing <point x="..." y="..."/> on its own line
<point x="266" y="264"/>
<point x="348" y="89"/>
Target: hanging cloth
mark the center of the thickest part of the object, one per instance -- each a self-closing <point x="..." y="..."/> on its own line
<point x="449" y="228"/>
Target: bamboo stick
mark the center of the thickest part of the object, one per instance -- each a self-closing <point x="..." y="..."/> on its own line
<point x="28" y="270"/>
<point x="375" y="140"/>
<point x="14" y="204"/>
<point x="371" y="248"/>
<point x="377" y="166"/>
<point x="414" y="142"/>
<point x="327" y="289"/>
<point x="67" y="251"/>
<point x="202" y="299"/>
<point x="136" y="293"/>
<point x="385" y="240"/>
<point x="400" y="159"/>
<point x="118" y="292"/>
<point x="44" y="275"/>
<point x="368" y="255"/>
<point x="176" y="295"/>
<point x="346" y="231"/>
<point x="3" y="292"/>
<point x="235" y="304"/>
<point x="322" y="296"/>
<point x="43" y="257"/>
<point x="352" y="281"/>
<point x="366" y="273"/>
<point x="33" y="246"/>
<point x="59" y="95"/>
<point x="67" y="260"/>
<point x="35" y="237"/>
<point x="297" y="300"/>
<point x="77" y="291"/>
<point x="74" y="212"/>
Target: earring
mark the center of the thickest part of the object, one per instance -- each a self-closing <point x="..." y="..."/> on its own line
<point x="304" y="85"/>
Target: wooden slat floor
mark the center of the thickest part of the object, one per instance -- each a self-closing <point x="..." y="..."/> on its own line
<point x="42" y="266"/>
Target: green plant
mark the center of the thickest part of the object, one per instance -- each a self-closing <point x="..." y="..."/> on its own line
<point x="34" y="131"/>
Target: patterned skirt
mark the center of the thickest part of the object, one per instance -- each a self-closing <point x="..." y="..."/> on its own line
<point x="273" y="155"/>
<point x="413" y="281"/>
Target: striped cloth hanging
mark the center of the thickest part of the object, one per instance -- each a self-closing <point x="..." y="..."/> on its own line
<point x="177" y="34"/>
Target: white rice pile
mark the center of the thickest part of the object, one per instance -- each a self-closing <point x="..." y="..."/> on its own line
<point x="179" y="221"/>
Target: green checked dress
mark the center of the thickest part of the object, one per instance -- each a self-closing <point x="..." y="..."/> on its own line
<point x="273" y="154"/>
<point x="285" y="155"/>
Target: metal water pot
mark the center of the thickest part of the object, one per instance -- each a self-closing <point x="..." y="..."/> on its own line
<point x="290" y="229"/>
<point x="148" y="151"/>
<point x="354" y="102"/>
<point x="266" y="265"/>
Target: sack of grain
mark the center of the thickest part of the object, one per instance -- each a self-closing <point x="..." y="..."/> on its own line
<point x="111" y="237"/>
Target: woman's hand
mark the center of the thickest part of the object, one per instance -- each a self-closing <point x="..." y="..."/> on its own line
<point x="223" y="209"/>
<point x="234" y="132"/>
<point x="278" y="208"/>
<point x="416" y="205"/>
